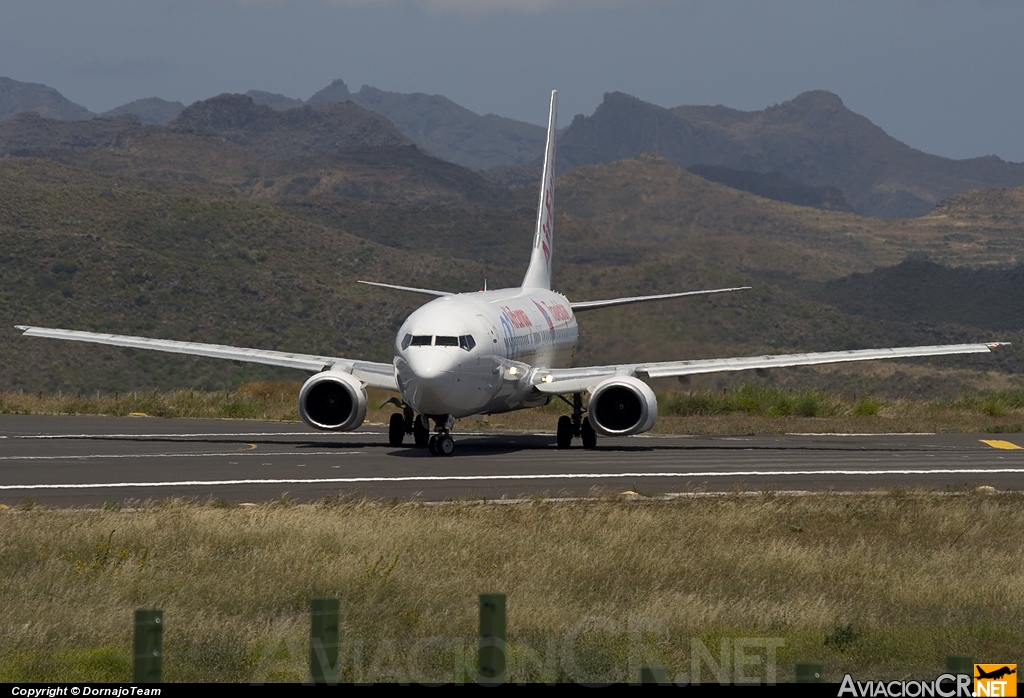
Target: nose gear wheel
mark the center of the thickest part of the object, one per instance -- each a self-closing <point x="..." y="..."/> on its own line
<point x="442" y="443"/>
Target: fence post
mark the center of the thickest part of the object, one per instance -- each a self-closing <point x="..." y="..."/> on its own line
<point x="960" y="664"/>
<point x="491" y="652"/>
<point x="654" y="674"/>
<point x="148" y="646"/>
<point x="323" y="641"/>
<point x="809" y="672"/>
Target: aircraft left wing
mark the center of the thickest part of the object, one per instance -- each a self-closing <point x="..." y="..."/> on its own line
<point x="560" y="381"/>
<point x="373" y="374"/>
<point x="593" y="305"/>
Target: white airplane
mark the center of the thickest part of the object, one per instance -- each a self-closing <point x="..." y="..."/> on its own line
<point x="494" y="351"/>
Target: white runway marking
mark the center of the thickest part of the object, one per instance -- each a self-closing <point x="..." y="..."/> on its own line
<point x="491" y="478"/>
<point x="226" y="454"/>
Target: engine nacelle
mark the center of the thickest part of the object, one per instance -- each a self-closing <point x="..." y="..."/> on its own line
<point x="622" y="406"/>
<point x="333" y="401"/>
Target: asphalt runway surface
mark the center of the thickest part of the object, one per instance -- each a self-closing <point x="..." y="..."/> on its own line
<point x="89" y="461"/>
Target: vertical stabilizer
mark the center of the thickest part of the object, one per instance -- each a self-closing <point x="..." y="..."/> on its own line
<point x="538" y="274"/>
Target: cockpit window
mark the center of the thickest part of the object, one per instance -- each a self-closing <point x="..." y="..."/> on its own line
<point x="466" y="341"/>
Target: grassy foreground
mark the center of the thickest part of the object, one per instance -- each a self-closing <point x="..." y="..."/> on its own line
<point x="883" y="585"/>
<point x="750" y="409"/>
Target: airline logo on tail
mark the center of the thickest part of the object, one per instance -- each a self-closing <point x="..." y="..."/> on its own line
<point x="545" y="227"/>
<point x="538" y="274"/>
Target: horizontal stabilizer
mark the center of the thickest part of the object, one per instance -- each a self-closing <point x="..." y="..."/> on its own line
<point x="593" y="305"/>
<point x="425" y="291"/>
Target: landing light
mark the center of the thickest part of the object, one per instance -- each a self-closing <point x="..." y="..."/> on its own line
<point x="548" y="379"/>
<point x="513" y="371"/>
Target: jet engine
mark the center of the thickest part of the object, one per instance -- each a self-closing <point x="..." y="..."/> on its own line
<point x="332" y="401"/>
<point x="622" y="406"/>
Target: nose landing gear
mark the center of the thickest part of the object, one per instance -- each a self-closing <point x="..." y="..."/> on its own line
<point x="442" y="443"/>
<point x="575" y="426"/>
<point x="408" y="422"/>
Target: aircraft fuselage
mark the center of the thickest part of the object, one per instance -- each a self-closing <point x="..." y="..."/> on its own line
<point x="473" y="353"/>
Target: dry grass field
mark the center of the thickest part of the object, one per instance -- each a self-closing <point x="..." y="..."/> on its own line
<point x="883" y="585"/>
<point x="750" y="409"/>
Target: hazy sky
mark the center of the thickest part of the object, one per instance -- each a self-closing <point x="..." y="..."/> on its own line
<point x="941" y="75"/>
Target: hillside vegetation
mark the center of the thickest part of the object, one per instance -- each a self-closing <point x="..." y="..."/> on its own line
<point x="183" y="232"/>
<point x="108" y="254"/>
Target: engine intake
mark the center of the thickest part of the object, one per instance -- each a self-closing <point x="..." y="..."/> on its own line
<point x="622" y="406"/>
<point x="333" y="401"/>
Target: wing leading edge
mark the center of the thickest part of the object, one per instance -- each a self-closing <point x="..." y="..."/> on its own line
<point x="571" y="380"/>
<point x="373" y="374"/>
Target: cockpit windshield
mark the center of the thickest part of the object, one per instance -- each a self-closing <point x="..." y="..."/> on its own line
<point x="465" y="341"/>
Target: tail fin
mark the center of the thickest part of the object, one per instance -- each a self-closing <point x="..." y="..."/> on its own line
<point x="538" y="274"/>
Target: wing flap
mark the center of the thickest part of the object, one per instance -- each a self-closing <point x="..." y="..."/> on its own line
<point x="377" y="375"/>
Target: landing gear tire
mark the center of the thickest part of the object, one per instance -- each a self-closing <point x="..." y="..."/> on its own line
<point x="588" y="434"/>
<point x="563" y="437"/>
<point x="445" y="445"/>
<point x="420" y="434"/>
<point x="396" y="430"/>
<point x="432" y="445"/>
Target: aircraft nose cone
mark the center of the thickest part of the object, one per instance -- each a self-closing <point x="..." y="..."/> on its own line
<point x="432" y="376"/>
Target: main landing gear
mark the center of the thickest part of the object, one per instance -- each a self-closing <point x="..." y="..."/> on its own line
<point x="439" y="444"/>
<point x="575" y="426"/>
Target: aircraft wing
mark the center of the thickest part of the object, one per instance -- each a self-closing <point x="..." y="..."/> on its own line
<point x="376" y="375"/>
<point x="593" y="305"/>
<point x="560" y="381"/>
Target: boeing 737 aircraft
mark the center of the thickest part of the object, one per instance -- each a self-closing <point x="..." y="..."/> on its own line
<point x="494" y="351"/>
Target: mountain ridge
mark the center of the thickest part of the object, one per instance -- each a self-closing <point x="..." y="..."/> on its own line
<point x="813" y="138"/>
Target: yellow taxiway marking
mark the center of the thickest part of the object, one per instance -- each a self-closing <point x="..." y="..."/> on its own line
<point x="1005" y="445"/>
<point x="252" y="447"/>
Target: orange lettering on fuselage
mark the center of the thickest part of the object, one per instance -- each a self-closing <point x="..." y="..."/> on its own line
<point x="558" y="311"/>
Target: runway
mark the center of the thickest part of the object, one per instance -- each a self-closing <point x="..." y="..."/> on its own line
<point x="88" y="461"/>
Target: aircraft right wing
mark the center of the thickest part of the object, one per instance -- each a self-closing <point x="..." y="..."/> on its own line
<point x="374" y="374"/>
<point x="560" y="381"/>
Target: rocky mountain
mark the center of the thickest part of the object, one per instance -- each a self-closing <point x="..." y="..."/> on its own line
<point x="151" y="111"/>
<point x="444" y="128"/>
<point x="304" y="132"/>
<point x="17" y="97"/>
<point x="275" y="101"/>
<point x="814" y="139"/>
<point x="337" y="91"/>
<point x="29" y="133"/>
